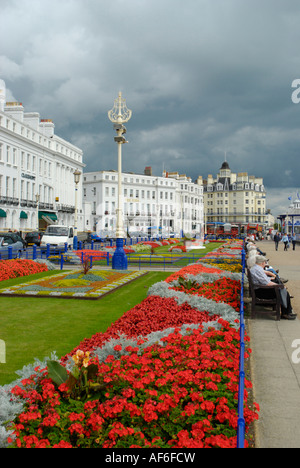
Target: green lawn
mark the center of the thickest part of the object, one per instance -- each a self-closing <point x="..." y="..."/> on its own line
<point x="34" y="327"/>
<point x="171" y="259"/>
<point x="164" y="249"/>
<point x="166" y="258"/>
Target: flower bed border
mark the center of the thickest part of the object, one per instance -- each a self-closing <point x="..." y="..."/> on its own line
<point x="112" y="287"/>
<point x="220" y="440"/>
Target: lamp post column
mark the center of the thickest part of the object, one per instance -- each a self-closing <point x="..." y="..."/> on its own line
<point x="120" y="224"/>
<point x="119" y="115"/>
<point x="77" y="175"/>
<point x="37" y="198"/>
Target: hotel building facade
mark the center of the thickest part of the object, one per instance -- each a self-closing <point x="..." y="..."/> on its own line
<point x="235" y="198"/>
<point x="37" y="185"/>
<point x="152" y="205"/>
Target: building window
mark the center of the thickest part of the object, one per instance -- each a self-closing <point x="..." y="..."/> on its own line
<point x="8" y="154"/>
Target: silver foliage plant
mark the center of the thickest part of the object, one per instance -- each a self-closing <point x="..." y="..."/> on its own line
<point x="209" y="277"/>
<point x="11" y="406"/>
<point x="108" y="349"/>
<point x="200" y="303"/>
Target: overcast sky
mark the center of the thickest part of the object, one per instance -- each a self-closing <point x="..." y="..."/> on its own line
<point x="202" y="77"/>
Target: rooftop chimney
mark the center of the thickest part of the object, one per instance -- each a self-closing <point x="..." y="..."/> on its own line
<point x="15" y="110"/>
<point x="32" y="119"/>
<point x="47" y="127"/>
<point x="148" y="171"/>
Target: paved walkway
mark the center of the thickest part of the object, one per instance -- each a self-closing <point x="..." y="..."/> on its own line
<point x="276" y="363"/>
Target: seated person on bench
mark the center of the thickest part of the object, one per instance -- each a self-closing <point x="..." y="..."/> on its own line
<point x="261" y="279"/>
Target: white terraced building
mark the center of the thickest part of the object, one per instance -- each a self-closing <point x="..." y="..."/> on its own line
<point x="37" y="185"/>
<point x="152" y="205"/>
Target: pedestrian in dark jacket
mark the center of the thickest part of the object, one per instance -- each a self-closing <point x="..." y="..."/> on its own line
<point x="276" y="240"/>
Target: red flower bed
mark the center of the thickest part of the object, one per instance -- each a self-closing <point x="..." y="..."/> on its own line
<point x="128" y="250"/>
<point x="222" y="290"/>
<point x="95" y="254"/>
<point x="99" y="254"/>
<point x="152" y="314"/>
<point x="192" y="270"/>
<point x="182" y="395"/>
<point x="15" y="268"/>
<point x="152" y="243"/>
<point x="178" y="247"/>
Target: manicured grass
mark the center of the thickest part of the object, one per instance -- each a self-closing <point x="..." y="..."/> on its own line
<point x="163" y="257"/>
<point x="164" y="250"/>
<point x="34" y="327"/>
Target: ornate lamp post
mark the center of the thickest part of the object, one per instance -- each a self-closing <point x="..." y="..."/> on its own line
<point x="119" y="115"/>
<point x="37" y="199"/>
<point x="77" y="175"/>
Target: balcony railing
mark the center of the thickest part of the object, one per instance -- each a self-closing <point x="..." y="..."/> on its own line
<point x="9" y="201"/>
<point x="46" y="206"/>
<point x="66" y="208"/>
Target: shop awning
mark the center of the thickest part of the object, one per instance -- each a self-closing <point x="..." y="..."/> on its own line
<point x="2" y="214"/>
<point x="48" y="216"/>
<point x="23" y="215"/>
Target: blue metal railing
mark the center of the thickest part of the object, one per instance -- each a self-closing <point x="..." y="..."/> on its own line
<point x="241" y="419"/>
<point x="139" y="261"/>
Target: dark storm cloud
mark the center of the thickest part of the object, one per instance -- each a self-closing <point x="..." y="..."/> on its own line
<point x="202" y="78"/>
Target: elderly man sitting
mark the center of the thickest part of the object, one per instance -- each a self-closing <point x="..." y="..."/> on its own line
<point x="262" y="278"/>
<point x="251" y="245"/>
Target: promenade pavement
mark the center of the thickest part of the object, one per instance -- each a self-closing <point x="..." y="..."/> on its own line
<point x="275" y="360"/>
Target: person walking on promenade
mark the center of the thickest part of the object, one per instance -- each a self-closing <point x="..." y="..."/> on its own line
<point x="285" y="240"/>
<point x="276" y="240"/>
<point x="294" y="241"/>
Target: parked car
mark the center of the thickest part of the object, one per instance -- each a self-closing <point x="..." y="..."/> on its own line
<point x="94" y="236"/>
<point x="33" y="237"/>
<point x="15" y="236"/>
<point x="10" y="239"/>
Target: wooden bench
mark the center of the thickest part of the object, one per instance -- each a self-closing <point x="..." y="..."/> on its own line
<point x="275" y="302"/>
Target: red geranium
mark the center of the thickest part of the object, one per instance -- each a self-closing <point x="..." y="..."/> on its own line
<point x="222" y="290"/>
<point x="182" y="395"/>
<point x="153" y="314"/>
<point x="15" y="268"/>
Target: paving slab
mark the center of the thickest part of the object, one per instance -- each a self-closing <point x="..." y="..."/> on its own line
<point x="275" y="361"/>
